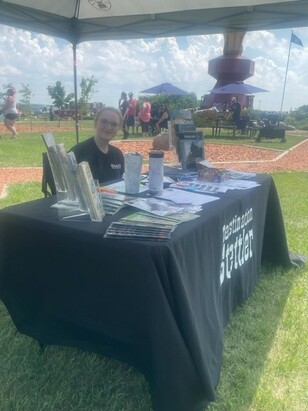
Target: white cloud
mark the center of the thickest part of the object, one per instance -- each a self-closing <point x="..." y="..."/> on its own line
<point x="134" y="65"/>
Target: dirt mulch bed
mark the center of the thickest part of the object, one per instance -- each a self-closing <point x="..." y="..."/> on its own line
<point x="244" y="158"/>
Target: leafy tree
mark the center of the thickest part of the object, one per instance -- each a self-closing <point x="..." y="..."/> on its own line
<point x="300" y="113"/>
<point x="26" y="96"/>
<point x="5" y="87"/>
<point x="58" y="94"/>
<point x="175" y="102"/>
<point x="2" y="97"/>
<point x="298" y="118"/>
<point x="87" y="90"/>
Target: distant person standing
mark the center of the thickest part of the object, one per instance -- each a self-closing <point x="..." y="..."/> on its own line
<point x="155" y="111"/>
<point x="10" y="112"/>
<point x="132" y="111"/>
<point x="123" y="107"/>
<point x="236" y="109"/>
<point x="145" y="117"/>
<point x="225" y="108"/>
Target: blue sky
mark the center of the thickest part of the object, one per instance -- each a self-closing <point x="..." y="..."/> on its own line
<point x="134" y="65"/>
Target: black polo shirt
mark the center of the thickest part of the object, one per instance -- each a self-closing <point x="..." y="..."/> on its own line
<point x="104" y="167"/>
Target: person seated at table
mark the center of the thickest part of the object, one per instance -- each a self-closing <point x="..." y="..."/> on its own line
<point x="155" y="109"/>
<point x="164" y="117"/>
<point x="225" y="107"/>
<point x="106" y="161"/>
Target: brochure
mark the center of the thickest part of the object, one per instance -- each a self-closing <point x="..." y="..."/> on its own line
<point x="182" y="197"/>
<point x="66" y="165"/>
<point x="240" y="184"/>
<point x="55" y="165"/>
<point x="200" y="187"/>
<point x="119" y="187"/>
<point x="144" y="217"/>
<point x="139" y="231"/>
<point x="91" y="194"/>
<point x="111" y="203"/>
<point x="141" y="216"/>
<point x="242" y="175"/>
<point x="191" y="151"/>
<point x="155" y="206"/>
<point x="48" y="139"/>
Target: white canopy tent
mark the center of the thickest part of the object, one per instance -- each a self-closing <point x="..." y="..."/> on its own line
<point x="85" y="20"/>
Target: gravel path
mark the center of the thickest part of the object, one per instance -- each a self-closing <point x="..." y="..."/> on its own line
<point x="244" y="158"/>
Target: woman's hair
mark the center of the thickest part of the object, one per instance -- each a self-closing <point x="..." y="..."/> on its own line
<point x="11" y="91"/>
<point x="105" y="109"/>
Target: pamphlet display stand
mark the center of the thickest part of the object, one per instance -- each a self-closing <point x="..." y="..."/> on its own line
<point x="76" y="190"/>
<point x="88" y="189"/>
<point x="188" y="142"/>
<point x="191" y="150"/>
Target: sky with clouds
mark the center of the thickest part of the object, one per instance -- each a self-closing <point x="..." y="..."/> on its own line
<point x="133" y="65"/>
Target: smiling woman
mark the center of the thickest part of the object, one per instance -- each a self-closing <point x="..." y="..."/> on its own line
<point x="106" y="161"/>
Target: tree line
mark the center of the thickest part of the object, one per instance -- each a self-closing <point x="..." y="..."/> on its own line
<point x="60" y="99"/>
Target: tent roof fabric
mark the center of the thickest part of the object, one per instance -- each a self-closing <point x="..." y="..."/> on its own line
<point x="85" y="20"/>
<point x="165" y="88"/>
<point x="238" y="88"/>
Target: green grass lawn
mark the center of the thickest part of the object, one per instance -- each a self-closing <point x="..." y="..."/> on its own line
<point x="265" y="347"/>
<point x="26" y="151"/>
<point x="265" y="366"/>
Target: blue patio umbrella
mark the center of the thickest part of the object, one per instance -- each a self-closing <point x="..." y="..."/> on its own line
<point x="238" y="88"/>
<point x="165" y="88"/>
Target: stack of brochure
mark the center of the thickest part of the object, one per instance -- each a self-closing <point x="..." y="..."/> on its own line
<point x="140" y="230"/>
<point x="146" y="226"/>
<point x="173" y="220"/>
<point x="162" y="207"/>
<point x="112" y="202"/>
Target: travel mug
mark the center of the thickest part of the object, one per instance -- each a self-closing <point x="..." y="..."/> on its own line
<point x="133" y="168"/>
<point x="156" y="172"/>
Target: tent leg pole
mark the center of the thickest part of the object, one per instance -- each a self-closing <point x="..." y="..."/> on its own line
<point x="75" y="93"/>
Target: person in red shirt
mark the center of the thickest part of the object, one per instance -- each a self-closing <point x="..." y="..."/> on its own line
<point x="132" y="112"/>
<point x="145" y="117"/>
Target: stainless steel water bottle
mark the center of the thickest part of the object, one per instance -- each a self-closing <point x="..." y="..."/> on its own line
<point x="156" y="172"/>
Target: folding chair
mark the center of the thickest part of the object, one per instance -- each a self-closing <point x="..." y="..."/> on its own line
<point x="48" y="183"/>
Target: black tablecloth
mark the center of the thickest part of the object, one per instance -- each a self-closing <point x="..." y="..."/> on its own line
<point x="160" y="306"/>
